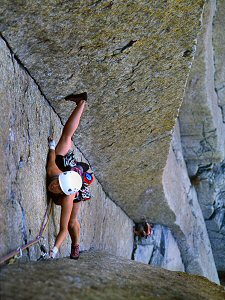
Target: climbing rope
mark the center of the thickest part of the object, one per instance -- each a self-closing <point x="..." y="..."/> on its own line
<point x="43" y="227"/>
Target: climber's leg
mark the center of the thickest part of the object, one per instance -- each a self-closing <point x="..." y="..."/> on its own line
<point x="74" y="231"/>
<point x="65" y="142"/>
<point x="74" y="226"/>
<point x="66" y="209"/>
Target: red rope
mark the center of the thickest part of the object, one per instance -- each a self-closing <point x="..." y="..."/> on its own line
<point x="33" y="242"/>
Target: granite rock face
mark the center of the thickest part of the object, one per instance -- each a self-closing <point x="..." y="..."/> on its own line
<point x="97" y="275"/>
<point x="26" y="121"/>
<point x="201" y="114"/>
<point x="186" y="245"/>
<point x="127" y="55"/>
<point x="133" y="59"/>
<point x="219" y="54"/>
<point x="211" y="194"/>
<point x="202" y="125"/>
<point x="188" y="229"/>
<point x="159" y="249"/>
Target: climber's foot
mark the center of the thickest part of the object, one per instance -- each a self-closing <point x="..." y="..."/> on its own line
<point x="75" y="251"/>
<point x="77" y="97"/>
<point x="53" y="252"/>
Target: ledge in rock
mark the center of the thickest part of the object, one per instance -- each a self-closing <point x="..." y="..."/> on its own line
<point x="97" y="275"/>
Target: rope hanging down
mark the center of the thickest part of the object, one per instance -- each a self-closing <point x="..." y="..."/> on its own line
<point x="33" y="242"/>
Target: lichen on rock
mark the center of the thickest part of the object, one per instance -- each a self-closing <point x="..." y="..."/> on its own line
<point x="27" y="121"/>
<point x="98" y="275"/>
<point x="133" y="59"/>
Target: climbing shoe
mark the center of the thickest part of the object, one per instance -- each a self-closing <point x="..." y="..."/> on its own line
<point x="75" y="251"/>
<point x="76" y="97"/>
<point x="53" y="252"/>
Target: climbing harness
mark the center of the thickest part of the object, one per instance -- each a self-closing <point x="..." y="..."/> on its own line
<point x="43" y="227"/>
<point x="83" y="195"/>
<point x="44" y="253"/>
<point x="84" y="192"/>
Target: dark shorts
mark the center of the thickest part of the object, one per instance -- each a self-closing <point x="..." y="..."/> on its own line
<point x="59" y="160"/>
<point x="60" y="163"/>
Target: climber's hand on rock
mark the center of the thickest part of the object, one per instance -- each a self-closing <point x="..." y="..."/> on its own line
<point x="51" y="142"/>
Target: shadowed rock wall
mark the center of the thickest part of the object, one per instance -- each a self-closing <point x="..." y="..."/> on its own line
<point x="159" y="249"/>
<point x="189" y="227"/>
<point x="186" y="246"/>
<point x="26" y="121"/>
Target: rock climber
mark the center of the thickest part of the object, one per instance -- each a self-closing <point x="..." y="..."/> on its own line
<point x="68" y="179"/>
<point x="142" y="229"/>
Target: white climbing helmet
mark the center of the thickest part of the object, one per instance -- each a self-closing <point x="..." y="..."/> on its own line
<point x="70" y="182"/>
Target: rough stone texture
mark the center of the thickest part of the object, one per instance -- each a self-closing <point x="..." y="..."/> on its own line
<point x="201" y="120"/>
<point x="98" y="275"/>
<point x="218" y="170"/>
<point x="203" y="127"/>
<point x="219" y="54"/>
<point x="26" y="121"/>
<point x="159" y="249"/>
<point x="133" y="58"/>
<point x="189" y="227"/>
<point x="210" y="189"/>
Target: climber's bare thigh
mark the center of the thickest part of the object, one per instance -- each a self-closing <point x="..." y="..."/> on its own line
<point x="64" y="145"/>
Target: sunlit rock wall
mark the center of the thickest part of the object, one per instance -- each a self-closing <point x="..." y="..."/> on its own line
<point x="202" y="125"/>
<point x="201" y="114"/>
<point x="133" y="59"/>
<point x="219" y="54"/>
<point x="98" y="275"/>
<point x="26" y="121"/>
